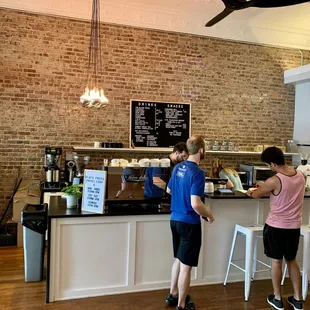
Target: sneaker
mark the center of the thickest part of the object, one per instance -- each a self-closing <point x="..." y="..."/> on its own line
<point x="172" y="301"/>
<point x="275" y="303"/>
<point x="189" y="306"/>
<point x="296" y="304"/>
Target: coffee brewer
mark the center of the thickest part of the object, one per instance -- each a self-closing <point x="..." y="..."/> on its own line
<point x="52" y="161"/>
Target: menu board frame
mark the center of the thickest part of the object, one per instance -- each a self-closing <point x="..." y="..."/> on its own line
<point x="131" y="129"/>
<point x="101" y="188"/>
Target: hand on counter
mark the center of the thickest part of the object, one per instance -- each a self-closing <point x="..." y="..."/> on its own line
<point x="208" y="219"/>
<point x="259" y="183"/>
<point x="251" y="191"/>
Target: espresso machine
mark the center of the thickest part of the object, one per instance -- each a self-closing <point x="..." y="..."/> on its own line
<point x="304" y="153"/>
<point x="52" y="160"/>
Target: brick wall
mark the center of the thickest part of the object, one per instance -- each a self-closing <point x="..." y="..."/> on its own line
<point x="236" y="89"/>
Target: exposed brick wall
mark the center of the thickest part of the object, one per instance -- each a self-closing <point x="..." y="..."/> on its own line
<point x="236" y="89"/>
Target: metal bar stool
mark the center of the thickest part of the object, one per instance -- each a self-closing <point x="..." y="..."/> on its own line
<point x="251" y="233"/>
<point x="305" y="232"/>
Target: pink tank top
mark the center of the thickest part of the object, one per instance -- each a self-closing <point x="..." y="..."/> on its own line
<point x="286" y="207"/>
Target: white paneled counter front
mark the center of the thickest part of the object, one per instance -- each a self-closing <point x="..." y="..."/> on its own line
<point x="93" y="255"/>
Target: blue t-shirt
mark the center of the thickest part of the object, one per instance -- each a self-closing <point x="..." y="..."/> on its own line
<point x="150" y="188"/>
<point x="187" y="179"/>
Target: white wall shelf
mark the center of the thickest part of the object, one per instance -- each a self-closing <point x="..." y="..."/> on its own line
<point x="123" y="150"/>
<point x="162" y="150"/>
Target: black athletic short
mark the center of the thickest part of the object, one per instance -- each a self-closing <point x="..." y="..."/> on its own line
<point x="186" y="240"/>
<point x="279" y="242"/>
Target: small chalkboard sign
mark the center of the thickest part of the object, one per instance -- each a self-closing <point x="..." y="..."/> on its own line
<point x="159" y="124"/>
<point x="94" y="191"/>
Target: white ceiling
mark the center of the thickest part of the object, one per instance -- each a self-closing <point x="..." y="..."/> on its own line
<point x="288" y="26"/>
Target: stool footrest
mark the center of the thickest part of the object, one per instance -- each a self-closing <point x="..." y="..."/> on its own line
<point x="263" y="263"/>
<point x="238" y="267"/>
<point x="263" y="270"/>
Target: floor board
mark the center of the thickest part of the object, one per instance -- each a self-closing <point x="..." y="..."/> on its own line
<point x="15" y="294"/>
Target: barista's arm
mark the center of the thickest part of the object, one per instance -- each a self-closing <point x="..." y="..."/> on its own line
<point x="159" y="182"/>
<point x="271" y="185"/>
<point x="229" y="184"/>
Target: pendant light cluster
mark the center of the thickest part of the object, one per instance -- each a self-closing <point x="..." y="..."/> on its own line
<point x="94" y="95"/>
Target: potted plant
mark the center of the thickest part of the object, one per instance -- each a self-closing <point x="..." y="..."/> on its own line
<point x="73" y="193"/>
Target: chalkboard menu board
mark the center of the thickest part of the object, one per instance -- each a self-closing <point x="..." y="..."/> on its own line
<point x="159" y="124"/>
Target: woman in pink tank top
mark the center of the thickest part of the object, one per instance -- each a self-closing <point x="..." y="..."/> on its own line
<point x="282" y="228"/>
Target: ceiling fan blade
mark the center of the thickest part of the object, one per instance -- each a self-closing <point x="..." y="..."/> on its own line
<point x="219" y="17"/>
<point x="279" y="3"/>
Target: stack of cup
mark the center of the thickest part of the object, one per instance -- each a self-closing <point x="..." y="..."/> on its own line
<point x="209" y="187"/>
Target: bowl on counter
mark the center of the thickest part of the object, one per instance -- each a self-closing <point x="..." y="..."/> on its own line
<point x="144" y="162"/>
<point x="133" y="165"/>
<point x="165" y="162"/>
<point x="115" y="162"/>
<point x="123" y="162"/>
<point x="154" y="162"/>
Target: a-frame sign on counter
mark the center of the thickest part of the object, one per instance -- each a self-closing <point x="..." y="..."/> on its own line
<point x="94" y="191"/>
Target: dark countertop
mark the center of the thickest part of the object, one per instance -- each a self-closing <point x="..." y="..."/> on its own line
<point x="238" y="195"/>
<point x="57" y="209"/>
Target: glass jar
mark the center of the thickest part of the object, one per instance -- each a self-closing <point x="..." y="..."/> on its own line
<point x="215" y="146"/>
<point x="224" y="146"/>
<point x="291" y="146"/>
<point x="230" y="146"/>
<point x="208" y="145"/>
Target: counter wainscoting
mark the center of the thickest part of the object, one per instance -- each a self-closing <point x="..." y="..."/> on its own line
<point x="120" y="252"/>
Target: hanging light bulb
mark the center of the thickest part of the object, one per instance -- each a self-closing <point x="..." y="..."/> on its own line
<point x="93" y="97"/>
<point x="85" y="98"/>
<point x="103" y="99"/>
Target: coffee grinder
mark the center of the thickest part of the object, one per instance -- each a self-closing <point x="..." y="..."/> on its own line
<point x="80" y="164"/>
<point x="70" y="168"/>
<point x="52" y="160"/>
<point x="304" y="153"/>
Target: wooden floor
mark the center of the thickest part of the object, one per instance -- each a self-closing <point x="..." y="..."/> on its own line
<point x="16" y="294"/>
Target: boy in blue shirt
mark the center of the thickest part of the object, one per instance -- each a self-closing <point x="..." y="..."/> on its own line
<point x="186" y="187"/>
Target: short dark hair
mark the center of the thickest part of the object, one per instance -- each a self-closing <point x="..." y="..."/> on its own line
<point x="180" y="147"/>
<point x="273" y="155"/>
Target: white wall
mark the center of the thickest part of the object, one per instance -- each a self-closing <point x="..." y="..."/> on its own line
<point x="300" y="77"/>
<point x="286" y="26"/>
<point x="302" y="112"/>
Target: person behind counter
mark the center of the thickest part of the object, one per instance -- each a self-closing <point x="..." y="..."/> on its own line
<point x="282" y="228"/>
<point x="186" y="187"/>
<point x="230" y="174"/>
<point x="156" y="179"/>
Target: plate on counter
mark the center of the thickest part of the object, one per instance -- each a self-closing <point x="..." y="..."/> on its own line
<point x="133" y="165"/>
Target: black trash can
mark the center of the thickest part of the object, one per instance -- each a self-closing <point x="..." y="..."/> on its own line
<point x="34" y="220"/>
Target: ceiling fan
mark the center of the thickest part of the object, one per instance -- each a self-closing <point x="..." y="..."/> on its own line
<point x="235" y="5"/>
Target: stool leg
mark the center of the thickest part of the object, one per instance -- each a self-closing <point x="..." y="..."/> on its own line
<point x="305" y="266"/>
<point x="231" y="254"/>
<point x="249" y="248"/>
<point x="254" y="259"/>
<point x="284" y="274"/>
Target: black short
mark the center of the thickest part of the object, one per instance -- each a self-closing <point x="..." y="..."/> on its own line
<point x="279" y="242"/>
<point x="186" y="240"/>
